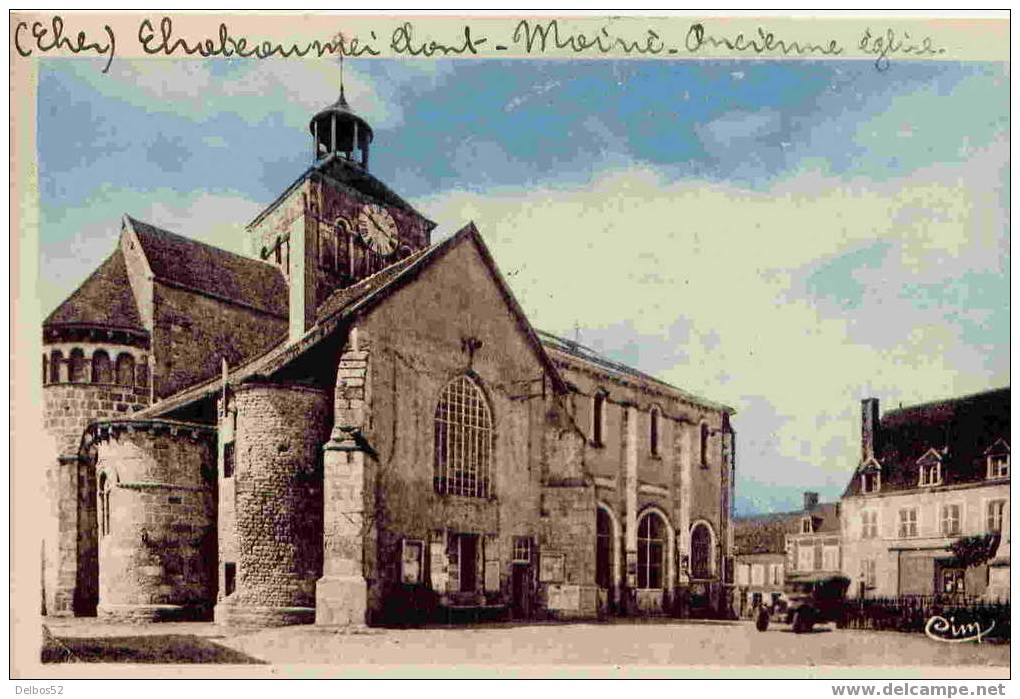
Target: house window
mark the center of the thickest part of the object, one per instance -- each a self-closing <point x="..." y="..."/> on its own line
<point x="953" y="581"/>
<point x="653" y="431"/>
<point x="757" y="574"/>
<point x="776" y="571"/>
<point x="869" y="525"/>
<point x="412" y="561"/>
<point x="229" y="578"/>
<point x="949" y="520"/>
<point x="651" y="544"/>
<point x="598" y="416"/>
<point x="871" y="481"/>
<point x="805" y="558"/>
<point x="228" y="459"/>
<point x="907" y="523"/>
<point x="805" y="525"/>
<point x="868" y="573"/>
<point x="743" y="574"/>
<point x="930" y="472"/>
<point x="464" y="440"/>
<point x="830" y="558"/>
<point x="994" y="513"/>
<point x="701" y="552"/>
<point x="998" y="466"/>
<point x="522" y="549"/>
<point x="704" y="445"/>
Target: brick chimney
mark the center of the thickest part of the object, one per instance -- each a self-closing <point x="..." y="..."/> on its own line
<point x="810" y="500"/>
<point x="869" y="428"/>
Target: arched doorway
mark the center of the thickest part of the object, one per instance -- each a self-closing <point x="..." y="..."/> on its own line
<point x="655" y="552"/>
<point x="607" y="556"/>
<point x="702" y="564"/>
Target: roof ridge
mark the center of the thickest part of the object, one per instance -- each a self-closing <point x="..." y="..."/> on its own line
<point x="194" y="241"/>
<point x="572" y="348"/>
<point x="945" y="401"/>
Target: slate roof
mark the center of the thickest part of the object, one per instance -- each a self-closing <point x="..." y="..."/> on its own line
<point x="965" y="427"/>
<point x="767" y="533"/>
<point x="352" y="175"/>
<point x="586" y="354"/>
<point x="104" y="299"/>
<point x="196" y="266"/>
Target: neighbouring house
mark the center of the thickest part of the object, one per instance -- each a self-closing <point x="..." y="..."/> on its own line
<point x="927" y="509"/>
<point x="770" y="548"/>
<point x="360" y="425"/>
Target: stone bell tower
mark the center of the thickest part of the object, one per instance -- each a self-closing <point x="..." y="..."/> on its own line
<point x="337" y="224"/>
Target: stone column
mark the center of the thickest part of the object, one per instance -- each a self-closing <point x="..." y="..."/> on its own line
<point x="630" y="526"/>
<point x="341" y="595"/>
<point x="685" y="443"/>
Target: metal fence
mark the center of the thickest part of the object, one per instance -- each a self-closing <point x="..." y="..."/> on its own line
<point x="912" y="614"/>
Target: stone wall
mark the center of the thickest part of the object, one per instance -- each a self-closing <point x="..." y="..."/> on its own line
<point x="193" y="333"/>
<point x="70" y="558"/>
<point x="280" y="431"/>
<point x="157" y="539"/>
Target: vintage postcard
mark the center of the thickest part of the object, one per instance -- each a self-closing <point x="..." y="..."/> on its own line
<point x="523" y="346"/>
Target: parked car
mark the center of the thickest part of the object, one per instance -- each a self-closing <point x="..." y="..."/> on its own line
<point x="815" y="598"/>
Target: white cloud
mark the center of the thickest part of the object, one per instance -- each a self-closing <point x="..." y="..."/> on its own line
<point x="731" y="262"/>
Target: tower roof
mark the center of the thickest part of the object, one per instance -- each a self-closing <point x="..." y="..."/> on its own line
<point x="344" y="114"/>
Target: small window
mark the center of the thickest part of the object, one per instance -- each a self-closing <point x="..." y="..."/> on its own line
<point x="871" y="481"/>
<point x="598" y="419"/>
<point x="102" y="369"/>
<point x="930" y="473"/>
<point x="125" y="369"/>
<point x="806" y="525"/>
<point x="869" y="525"/>
<point x="704" y="445"/>
<point x="412" y="561"/>
<point x="228" y="460"/>
<point x="994" y="512"/>
<point x="104" y="505"/>
<point x="949" y="520"/>
<point x="777" y="574"/>
<point x="907" y="523"/>
<point x="757" y="574"/>
<point x="953" y="581"/>
<point x="743" y="574"/>
<point x="830" y="558"/>
<point x="998" y="466"/>
<point x="522" y="549"/>
<point x="653" y="430"/>
<point x="805" y="559"/>
<point x="229" y="578"/>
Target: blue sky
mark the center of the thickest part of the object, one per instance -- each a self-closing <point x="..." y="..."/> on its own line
<point x="786" y="237"/>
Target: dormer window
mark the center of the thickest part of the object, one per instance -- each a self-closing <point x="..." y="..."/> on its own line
<point x="929" y="469"/>
<point x="806" y="526"/>
<point x="997" y="459"/>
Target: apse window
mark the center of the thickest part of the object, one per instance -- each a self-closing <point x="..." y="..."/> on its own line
<point x="228" y="460"/>
<point x="229" y="578"/>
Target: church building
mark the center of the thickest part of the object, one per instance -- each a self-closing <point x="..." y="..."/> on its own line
<point x="361" y="426"/>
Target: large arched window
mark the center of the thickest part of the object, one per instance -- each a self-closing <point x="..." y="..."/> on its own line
<point x="464" y="440"/>
<point x="102" y="370"/>
<point x="77" y="368"/>
<point x="701" y="552"/>
<point x="651" y="547"/>
<point x="125" y="369"/>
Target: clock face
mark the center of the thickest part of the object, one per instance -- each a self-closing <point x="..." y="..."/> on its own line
<point x="378" y="230"/>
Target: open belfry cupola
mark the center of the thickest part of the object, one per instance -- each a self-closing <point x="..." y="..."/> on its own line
<point x="337" y="130"/>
